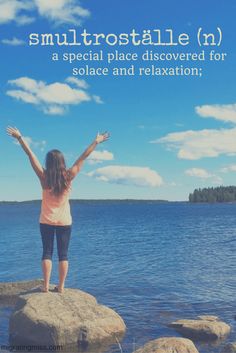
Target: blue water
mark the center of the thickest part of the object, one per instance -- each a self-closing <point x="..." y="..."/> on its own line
<point x="151" y="262"/>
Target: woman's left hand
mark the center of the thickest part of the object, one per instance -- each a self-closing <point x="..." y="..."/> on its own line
<point x="14" y="132"/>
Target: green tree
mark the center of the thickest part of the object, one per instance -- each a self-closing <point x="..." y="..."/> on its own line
<point x="212" y="195"/>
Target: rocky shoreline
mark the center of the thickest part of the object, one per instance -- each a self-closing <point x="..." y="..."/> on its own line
<point x="76" y="322"/>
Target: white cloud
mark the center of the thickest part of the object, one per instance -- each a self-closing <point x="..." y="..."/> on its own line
<point x="100" y="156"/>
<point x="229" y="168"/>
<point x="217" y="180"/>
<point x="54" y="98"/>
<point x="54" y="110"/>
<point x="138" y="176"/>
<point x="77" y="82"/>
<point x="35" y="144"/>
<point x="14" y="41"/>
<point x="62" y="93"/>
<point x="203" y="174"/>
<point x="198" y="173"/>
<point x="83" y="84"/>
<point x="225" y="112"/>
<point x="28" y="84"/>
<point x="62" y="11"/>
<point x="172" y="183"/>
<point x="24" y="96"/>
<point x="98" y="99"/>
<point x="57" y="11"/>
<point x="15" y="10"/>
<point x="194" y="145"/>
<point x="24" y="20"/>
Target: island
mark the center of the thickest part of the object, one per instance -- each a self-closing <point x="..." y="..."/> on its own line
<point x="214" y="194"/>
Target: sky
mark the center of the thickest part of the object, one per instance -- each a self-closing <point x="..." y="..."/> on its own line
<point x="169" y="134"/>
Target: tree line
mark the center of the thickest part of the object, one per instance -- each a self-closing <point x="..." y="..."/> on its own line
<point x="217" y="194"/>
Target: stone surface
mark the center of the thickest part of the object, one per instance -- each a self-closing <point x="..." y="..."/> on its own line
<point x="73" y="318"/>
<point x="10" y="291"/>
<point x="168" y="345"/>
<point x="229" y="348"/>
<point x="203" y="328"/>
<point x="208" y="317"/>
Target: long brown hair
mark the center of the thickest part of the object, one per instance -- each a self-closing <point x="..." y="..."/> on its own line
<point x="56" y="175"/>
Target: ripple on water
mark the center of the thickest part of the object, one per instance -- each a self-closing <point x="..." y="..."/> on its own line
<point x="152" y="262"/>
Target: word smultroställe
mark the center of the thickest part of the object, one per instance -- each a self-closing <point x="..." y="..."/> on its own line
<point x="155" y="37"/>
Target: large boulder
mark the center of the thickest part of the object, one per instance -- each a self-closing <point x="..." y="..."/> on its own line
<point x="10" y="291"/>
<point x="229" y="348"/>
<point x="168" y="345"/>
<point x="203" y="328"/>
<point x="71" y="319"/>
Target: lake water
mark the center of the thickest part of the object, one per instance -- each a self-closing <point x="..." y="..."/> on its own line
<point x="151" y="262"/>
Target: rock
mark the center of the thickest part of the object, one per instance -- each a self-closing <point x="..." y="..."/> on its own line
<point x="208" y="317"/>
<point x="10" y="291"/>
<point x="71" y="319"/>
<point x="168" y="345"/>
<point x="203" y="328"/>
<point x="229" y="348"/>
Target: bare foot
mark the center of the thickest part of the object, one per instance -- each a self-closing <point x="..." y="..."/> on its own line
<point x="59" y="289"/>
<point x="44" y="289"/>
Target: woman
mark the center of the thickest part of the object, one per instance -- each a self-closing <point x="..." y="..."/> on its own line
<point x="55" y="216"/>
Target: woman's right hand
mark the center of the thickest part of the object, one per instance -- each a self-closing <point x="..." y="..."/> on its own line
<point x="102" y="137"/>
<point x="14" y="132"/>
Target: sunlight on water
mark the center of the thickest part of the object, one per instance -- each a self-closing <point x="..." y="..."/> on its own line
<point x="151" y="262"/>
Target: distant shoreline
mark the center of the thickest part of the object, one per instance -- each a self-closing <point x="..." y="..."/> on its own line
<point x="97" y="200"/>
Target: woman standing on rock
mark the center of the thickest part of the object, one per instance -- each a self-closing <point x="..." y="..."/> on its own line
<point x="55" y="216"/>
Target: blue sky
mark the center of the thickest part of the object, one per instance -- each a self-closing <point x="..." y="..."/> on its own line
<point x="169" y="135"/>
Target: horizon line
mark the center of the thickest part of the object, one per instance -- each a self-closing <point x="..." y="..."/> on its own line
<point x="106" y="199"/>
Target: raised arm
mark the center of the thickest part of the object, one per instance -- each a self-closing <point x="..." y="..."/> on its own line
<point x="74" y="170"/>
<point x="14" y="132"/>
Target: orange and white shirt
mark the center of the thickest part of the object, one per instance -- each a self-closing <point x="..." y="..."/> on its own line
<point x="55" y="210"/>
